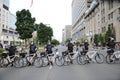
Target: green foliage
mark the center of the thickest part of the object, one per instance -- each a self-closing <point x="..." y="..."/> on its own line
<point x="44" y="33"/>
<point x="77" y="43"/>
<point x="96" y="39"/>
<point x="102" y="38"/>
<point x="55" y="42"/>
<point x="1" y="50"/>
<point x="67" y="40"/>
<point x="25" y="24"/>
<point x="108" y="34"/>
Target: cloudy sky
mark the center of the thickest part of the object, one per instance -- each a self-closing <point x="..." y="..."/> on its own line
<point x="57" y="13"/>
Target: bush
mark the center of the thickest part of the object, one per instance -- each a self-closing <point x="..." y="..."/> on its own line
<point x="1" y="50"/>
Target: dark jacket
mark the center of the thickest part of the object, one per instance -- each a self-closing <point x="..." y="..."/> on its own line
<point x="12" y="50"/>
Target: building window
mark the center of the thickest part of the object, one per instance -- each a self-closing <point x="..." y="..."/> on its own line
<point x="6" y="26"/>
<point x="111" y="3"/>
<point x="112" y="15"/>
<point x="104" y="19"/>
<point x="109" y="16"/>
<point x="3" y="25"/>
<point x="112" y="25"/>
<point x="119" y="10"/>
<point x="103" y="29"/>
<point x="119" y="1"/>
<point x="103" y="11"/>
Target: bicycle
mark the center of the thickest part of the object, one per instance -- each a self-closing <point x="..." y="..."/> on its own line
<point x="67" y="58"/>
<point x="91" y="56"/>
<point x="43" y="58"/>
<point x="7" y="60"/>
<point x="33" y="59"/>
<point x="59" y="61"/>
<point x="112" y="56"/>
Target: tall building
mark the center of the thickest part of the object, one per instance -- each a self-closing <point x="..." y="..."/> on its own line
<point x="104" y="14"/>
<point x="79" y="8"/>
<point x="4" y="17"/>
<point x="7" y="24"/>
<point x="66" y="33"/>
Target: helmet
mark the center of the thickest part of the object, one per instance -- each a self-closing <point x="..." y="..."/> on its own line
<point x="112" y="39"/>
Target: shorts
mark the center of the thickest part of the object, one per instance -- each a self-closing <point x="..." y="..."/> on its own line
<point x="110" y="52"/>
<point x="64" y="53"/>
<point x="70" y="50"/>
<point x="43" y="54"/>
<point x="49" y="52"/>
<point x="23" y="55"/>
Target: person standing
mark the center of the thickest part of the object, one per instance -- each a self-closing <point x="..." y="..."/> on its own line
<point x="32" y="48"/>
<point x="86" y="46"/>
<point x="48" y="49"/>
<point x="70" y="46"/>
<point x="110" y="46"/>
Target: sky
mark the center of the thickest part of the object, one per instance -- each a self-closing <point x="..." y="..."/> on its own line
<point x="57" y="13"/>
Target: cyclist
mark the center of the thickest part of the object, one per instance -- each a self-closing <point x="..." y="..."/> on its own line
<point x="111" y="46"/>
<point x="12" y="50"/>
<point x="32" y="50"/>
<point x="85" y="49"/>
<point x="48" y="49"/>
<point x="70" y="46"/>
<point x="86" y="46"/>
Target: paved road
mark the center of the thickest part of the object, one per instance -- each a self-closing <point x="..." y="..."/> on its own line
<point x="73" y="72"/>
<point x="91" y="71"/>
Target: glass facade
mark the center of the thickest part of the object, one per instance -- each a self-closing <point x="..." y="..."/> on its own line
<point x="78" y="8"/>
<point x="12" y="21"/>
<point x="6" y="3"/>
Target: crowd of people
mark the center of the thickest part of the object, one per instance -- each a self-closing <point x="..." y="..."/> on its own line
<point x="111" y="45"/>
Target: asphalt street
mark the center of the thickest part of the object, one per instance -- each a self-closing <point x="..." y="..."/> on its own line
<point x="72" y="72"/>
<point x="91" y="71"/>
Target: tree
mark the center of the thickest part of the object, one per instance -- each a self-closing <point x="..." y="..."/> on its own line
<point x="108" y="34"/>
<point x="96" y="39"/>
<point x="55" y="42"/>
<point x="24" y="24"/>
<point x="102" y="38"/>
<point x="77" y="43"/>
<point x="44" y="33"/>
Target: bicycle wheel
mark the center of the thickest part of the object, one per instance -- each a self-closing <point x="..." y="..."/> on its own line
<point x="45" y="61"/>
<point x="4" y="62"/>
<point x="28" y="60"/>
<point x="108" y="60"/>
<point x="17" y="62"/>
<point x="81" y="60"/>
<point x="37" y="62"/>
<point x="66" y="61"/>
<point x="59" y="61"/>
<point x="99" y="58"/>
